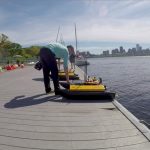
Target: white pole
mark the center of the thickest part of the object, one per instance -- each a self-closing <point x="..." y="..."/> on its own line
<point x="76" y="37"/>
<point x="57" y="33"/>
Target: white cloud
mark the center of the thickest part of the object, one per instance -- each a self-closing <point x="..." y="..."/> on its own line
<point x="101" y="21"/>
<point x="103" y="12"/>
<point x="131" y="31"/>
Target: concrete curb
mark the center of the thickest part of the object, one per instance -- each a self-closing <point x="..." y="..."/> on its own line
<point x="141" y="127"/>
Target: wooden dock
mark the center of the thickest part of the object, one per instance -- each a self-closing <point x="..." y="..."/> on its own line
<point x="32" y="120"/>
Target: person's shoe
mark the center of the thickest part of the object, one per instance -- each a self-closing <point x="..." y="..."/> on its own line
<point x="48" y="90"/>
<point x="57" y="92"/>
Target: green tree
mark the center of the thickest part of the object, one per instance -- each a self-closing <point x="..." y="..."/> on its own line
<point x="3" y="39"/>
<point x="7" y="48"/>
<point x="14" y="49"/>
<point x="4" y="45"/>
<point x="32" y="51"/>
<point x="10" y="49"/>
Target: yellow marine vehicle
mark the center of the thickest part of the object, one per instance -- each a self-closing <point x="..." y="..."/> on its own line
<point x="90" y="89"/>
<point x="72" y="75"/>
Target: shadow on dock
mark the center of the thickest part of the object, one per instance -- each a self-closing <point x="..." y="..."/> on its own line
<point x="64" y="100"/>
<point x="38" y="79"/>
<point x="23" y="101"/>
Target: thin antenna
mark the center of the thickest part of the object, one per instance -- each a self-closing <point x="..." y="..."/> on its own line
<point x="85" y="77"/>
<point x="85" y="74"/>
<point x="57" y="33"/>
<point x="62" y="40"/>
<point x="76" y="36"/>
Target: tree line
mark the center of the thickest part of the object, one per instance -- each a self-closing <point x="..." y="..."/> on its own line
<point x="10" y="49"/>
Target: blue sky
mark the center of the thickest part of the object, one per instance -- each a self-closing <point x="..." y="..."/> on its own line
<point x="101" y="24"/>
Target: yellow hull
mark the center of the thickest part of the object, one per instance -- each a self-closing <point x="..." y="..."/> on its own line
<point x="63" y="74"/>
<point x="98" y="88"/>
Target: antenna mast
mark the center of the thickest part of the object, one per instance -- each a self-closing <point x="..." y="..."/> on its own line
<point x="57" y="33"/>
<point x="76" y="37"/>
<point x="85" y="74"/>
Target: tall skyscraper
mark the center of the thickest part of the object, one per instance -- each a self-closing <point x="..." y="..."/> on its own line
<point x="122" y="50"/>
<point x="138" y="47"/>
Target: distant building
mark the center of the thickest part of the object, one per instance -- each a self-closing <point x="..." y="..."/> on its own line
<point x="115" y="52"/>
<point x="138" y="47"/>
<point x="136" y="51"/>
<point x="83" y="54"/>
<point x="132" y="52"/>
<point x="146" y="51"/>
<point x="106" y="53"/>
<point x="88" y="54"/>
<point x="122" y="51"/>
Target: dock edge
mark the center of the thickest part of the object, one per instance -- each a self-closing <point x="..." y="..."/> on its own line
<point x="136" y="122"/>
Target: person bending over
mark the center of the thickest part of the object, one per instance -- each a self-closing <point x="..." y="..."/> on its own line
<point x="49" y="64"/>
<point x="48" y="55"/>
<point x="61" y="52"/>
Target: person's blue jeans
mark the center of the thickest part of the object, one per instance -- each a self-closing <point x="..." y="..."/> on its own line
<point x="49" y="64"/>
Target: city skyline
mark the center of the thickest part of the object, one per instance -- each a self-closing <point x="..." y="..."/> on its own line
<point x="137" y="50"/>
<point x="110" y="46"/>
<point x="119" y="49"/>
<point x="100" y="24"/>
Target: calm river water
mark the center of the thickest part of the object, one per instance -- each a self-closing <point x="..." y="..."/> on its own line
<point x="129" y="77"/>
